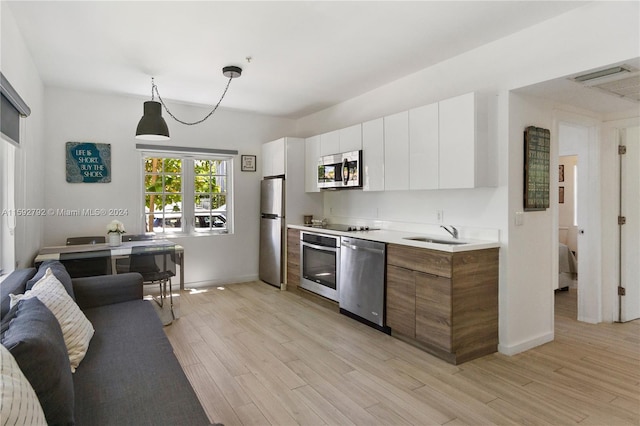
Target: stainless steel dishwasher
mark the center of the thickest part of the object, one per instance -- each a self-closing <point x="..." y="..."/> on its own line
<point x="362" y="275"/>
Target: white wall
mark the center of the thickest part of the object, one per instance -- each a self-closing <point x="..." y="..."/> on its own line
<point x="527" y="291"/>
<point x="19" y="68"/>
<point x="595" y="35"/>
<point x="76" y="116"/>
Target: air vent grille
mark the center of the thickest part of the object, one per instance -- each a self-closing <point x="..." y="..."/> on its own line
<point x="627" y="88"/>
<point x="622" y="81"/>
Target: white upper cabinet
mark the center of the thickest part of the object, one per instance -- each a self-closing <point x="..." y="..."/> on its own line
<point x="330" y="143"/>
<point x="423" y="147"/>
<point x="373" y="155"/>
<point x="351" y="138"/>
<point x="273" y="158"/>
<point x="444" y="145"/>
<point x="464" y="149"/>
<point x="311" y="157"/>
<point x="396" y="151"/>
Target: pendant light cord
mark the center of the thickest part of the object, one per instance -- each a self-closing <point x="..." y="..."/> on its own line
<point x="154" y="90"/>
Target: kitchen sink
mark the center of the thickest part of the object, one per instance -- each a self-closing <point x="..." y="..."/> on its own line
<point x="435" y="241"/>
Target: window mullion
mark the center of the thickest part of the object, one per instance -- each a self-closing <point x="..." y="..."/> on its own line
<point x="188" y="195"/>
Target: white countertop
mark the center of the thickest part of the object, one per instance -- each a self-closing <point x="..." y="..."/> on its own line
<point x="399" y="237"/>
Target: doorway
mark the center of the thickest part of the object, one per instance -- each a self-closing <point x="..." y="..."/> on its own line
<point x="578" y="140"/>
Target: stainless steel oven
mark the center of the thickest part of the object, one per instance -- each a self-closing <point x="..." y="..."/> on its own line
<point x="320" y="263"/>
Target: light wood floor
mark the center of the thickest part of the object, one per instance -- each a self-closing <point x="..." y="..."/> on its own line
<point x="256" y="355"/>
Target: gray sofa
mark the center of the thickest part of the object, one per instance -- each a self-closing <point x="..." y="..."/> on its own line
<point x="130" y="375"/>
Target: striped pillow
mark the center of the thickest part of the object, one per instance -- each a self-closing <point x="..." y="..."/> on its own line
<point x="76" y="328"/>
<point x="19" y="404"/>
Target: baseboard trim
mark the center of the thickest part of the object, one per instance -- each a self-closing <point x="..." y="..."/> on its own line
<point x="221" y="281"/>
<point x="525" y="345"/>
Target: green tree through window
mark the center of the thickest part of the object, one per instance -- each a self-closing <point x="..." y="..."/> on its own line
<point x="179" y="188"/>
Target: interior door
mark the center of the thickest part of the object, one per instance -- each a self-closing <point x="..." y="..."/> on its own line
<point x="630" y="231"/>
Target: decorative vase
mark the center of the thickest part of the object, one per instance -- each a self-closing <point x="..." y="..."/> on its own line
<point x="115" y="239"/>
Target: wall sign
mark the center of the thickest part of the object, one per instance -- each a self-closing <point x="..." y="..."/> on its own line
<point x="536" y="168"/>
<point x="248" y="163"/>
<point x="88" y="162"/>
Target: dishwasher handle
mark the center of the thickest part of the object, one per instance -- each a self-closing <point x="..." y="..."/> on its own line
<point x="354" y="247"/>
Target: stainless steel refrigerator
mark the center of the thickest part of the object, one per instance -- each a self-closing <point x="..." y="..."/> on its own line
<point x="271" y="230"/>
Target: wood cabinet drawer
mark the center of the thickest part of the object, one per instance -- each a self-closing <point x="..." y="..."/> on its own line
<point x="419" y="259"/>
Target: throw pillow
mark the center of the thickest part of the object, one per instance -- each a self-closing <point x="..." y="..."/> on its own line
<point x="19" y="404"/>
<point x="76" y="328"/>
<point x="58" y="270"/>
<point x="33" y="336"/>
<point x="14" y="283"/>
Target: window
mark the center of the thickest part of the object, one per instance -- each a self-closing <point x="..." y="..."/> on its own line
<point x="7" y="207"/>
<point x="187" y="195"/>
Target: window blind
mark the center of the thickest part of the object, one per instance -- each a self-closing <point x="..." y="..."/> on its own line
<point x="12" y="107"/>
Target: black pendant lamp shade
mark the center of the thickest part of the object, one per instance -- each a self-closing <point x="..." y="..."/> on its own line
<point x="152" y="126"/>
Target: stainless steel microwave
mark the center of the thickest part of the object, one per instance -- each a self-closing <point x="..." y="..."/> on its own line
<point x="340" y="170"/>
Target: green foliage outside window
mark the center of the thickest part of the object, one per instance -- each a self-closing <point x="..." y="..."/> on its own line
<point x="165" y="189"/>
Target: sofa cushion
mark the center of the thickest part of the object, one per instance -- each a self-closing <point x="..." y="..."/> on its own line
<point x="130" y="375"/>
<point x="76" y="328"/>
<point x="33" y="336"/>
<point x="19" y="404"/>
<point x="15" y="283"/>
<point x="58" y="270"/>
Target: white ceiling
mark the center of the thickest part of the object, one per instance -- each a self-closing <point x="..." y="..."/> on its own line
<point x="306" y="56"/>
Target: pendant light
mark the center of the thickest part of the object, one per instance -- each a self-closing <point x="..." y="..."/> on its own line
<point x="152" y="125"/>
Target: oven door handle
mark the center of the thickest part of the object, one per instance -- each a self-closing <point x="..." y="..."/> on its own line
<point x="317" y="247"/>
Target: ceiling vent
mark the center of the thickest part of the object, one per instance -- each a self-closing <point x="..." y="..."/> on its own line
<point x="622" y="81"/>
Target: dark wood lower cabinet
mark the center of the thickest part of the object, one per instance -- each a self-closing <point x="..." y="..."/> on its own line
<point x="433" y="310"/>
<point x="401" y="300"/>
<point x="446" y="303"/>
<point x="293" y="258"/>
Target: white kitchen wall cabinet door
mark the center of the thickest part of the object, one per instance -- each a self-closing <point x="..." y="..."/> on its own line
<point x="330" y="143"/>
<point x="458" y="142"/>
<point x="267" y="159"/>
<point x="396" y="151"/>
<point x="351" y="138"/>
<point x="279" y="157"/>
<point x="312" y="155"/>
<point x="373" y="155"/>
<point x="423" y="147"/>
<point x="466" y="154"/>
<point x="273" y="158"/>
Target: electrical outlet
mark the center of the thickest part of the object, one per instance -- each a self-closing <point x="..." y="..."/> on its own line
<point x="440" y="216"/>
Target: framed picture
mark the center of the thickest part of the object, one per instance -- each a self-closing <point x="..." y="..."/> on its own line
<point x="88" y="162"/>
<point x="248" y="163"/>
<point x="536" y="168"/>
<point x="561" y="195"/>
<point x="561" y="173"/>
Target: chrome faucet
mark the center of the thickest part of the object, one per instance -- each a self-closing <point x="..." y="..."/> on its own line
<point x="453" y="231"/>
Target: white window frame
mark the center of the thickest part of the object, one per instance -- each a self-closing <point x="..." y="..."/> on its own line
<point x="188" y="155"/>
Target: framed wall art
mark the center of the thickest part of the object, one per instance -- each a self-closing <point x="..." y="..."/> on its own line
<point x="248" y="163"/>
<point x="536" y="168"/>
<point x="88" y="162"/>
